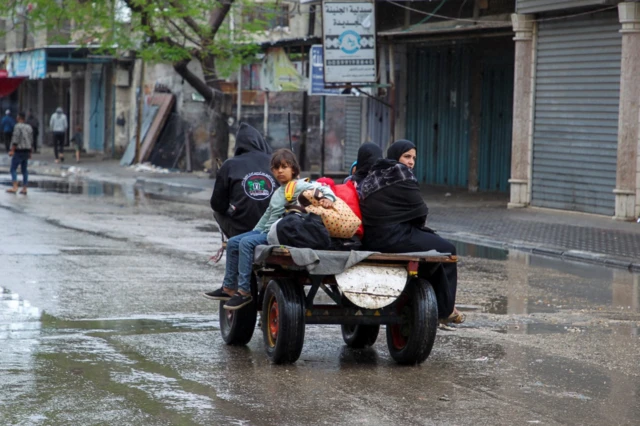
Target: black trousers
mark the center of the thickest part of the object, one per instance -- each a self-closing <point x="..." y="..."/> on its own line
<point x="35" y="140"/>
<point x="58" y="144"/>
<point x="7" y="139"/>
<point x="405" y="238"/>
<point x="228" y="226"/>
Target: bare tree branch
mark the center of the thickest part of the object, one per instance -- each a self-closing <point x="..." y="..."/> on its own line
<point x="189" y="20"/>
<point x="195" y="81"/>
<point x="183" y="32"/>
<point x="218" y="14"/>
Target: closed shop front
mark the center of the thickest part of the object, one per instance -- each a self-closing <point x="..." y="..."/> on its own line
<point x="353" y="120"/>
<point x="438" y="113"/>
<point x="576" y="113"/>
<point x="451" y="88"/>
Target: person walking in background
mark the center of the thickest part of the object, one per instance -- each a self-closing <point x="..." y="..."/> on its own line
<point x="7" y="125"/>
<point x="21" y="143"/>
<point x="59" y="125"/>
<point x="77" y="141"/>
<point x="35" y="126"/>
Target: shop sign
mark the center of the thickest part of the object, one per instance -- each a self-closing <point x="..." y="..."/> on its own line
<point x="278" y="74"/>
<point x="349" y="41"/>
<point x="31" y="64"/>
<point x="317" y="85"/>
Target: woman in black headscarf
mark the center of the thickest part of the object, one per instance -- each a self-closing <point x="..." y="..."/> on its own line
<point x="394" y="216"/>
<point x="368" y="154"/>
<point x="403" y="151"/>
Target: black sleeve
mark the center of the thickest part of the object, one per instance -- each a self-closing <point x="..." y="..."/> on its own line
<point x="220" y="196"/>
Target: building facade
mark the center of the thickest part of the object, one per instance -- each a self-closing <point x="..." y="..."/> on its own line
<point x="447" y="84"/>
<point x="576" y="105"/>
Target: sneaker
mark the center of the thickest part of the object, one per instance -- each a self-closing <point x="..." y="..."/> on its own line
<point x="218" y="294"/>
<point x="237" y="301"/>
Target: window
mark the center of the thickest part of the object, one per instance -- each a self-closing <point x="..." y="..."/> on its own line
<point x="274" y="14"/>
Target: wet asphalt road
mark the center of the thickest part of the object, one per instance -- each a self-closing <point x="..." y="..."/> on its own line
<point x="102" y="323"/>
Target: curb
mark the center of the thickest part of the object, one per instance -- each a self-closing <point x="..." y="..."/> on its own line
<point x="570" y="255"/>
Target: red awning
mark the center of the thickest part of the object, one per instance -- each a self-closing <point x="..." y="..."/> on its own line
<point x="8" y="85"/>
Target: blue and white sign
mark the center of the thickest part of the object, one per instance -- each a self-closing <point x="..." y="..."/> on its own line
<point x="31" y="64"/>
<point x="316" y="74"/>
<point x="349" y="41"/>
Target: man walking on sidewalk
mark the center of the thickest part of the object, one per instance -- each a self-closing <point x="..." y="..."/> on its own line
<point x="58" y="124"/>
<point x="21" y="144"/>
<point x="35" y="126"/>
<point x="7" y="128"/>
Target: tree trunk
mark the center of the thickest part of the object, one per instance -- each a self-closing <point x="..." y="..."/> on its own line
<point x="219" y="140"/>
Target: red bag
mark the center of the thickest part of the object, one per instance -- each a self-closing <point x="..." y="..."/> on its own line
<point x="347" y="193"/>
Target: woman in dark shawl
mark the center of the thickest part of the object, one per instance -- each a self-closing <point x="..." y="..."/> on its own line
<point x="394" y="216"/>
<point x="368" y="154"/>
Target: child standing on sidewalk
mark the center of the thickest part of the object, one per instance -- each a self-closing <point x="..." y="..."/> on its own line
<point x="236" y="286"/>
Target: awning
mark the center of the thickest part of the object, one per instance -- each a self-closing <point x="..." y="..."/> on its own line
<point x="8" y="85"/>
<point x="485" y="24"/>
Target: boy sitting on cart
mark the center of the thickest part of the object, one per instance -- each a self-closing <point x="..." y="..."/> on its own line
<point x="236" y="286"/>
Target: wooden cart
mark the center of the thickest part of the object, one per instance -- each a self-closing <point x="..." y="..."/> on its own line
<point x="389" y="289"/>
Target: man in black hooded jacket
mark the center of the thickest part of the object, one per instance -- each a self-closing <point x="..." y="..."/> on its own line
<point x="244" y="184"/>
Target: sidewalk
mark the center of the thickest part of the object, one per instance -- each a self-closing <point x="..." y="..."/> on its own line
<point x="484" y="219"/>
<point x="480" y="218"/>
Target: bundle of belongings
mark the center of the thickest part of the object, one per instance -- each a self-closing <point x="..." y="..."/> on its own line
<point x="306" y="224"/>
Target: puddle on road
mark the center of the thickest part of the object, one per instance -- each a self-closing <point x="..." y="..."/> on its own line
<point x="18" y="315"/>
<point x="500" y="306"/>
<point x="620" y="331"/>
<point x="484" y="252"/>
<point x="126" y="326"/>
<point x="93" y="188"/>
<point x="67" y="365"/>
<point x="538" y="328"/>
<point x="89" y="188"/>
<point x="564" y="284"/>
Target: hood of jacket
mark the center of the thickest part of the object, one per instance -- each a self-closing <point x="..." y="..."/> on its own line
<point x="249" y="139"/>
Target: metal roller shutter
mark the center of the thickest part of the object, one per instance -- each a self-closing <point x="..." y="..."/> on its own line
<point x="576" y="114"/>
<point x="352" y="129"/>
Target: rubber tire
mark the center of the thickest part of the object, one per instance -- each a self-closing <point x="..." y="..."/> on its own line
<point x="238" y="331"/>
<point x="290" y="338"/>
<point x="423" y="316"/>
<point x="359" y="336"/>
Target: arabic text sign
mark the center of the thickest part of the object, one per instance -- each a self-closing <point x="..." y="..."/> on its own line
<point x="32" y="64"/>
<point x="349" y="42"/>
<point x="316" y="74"/>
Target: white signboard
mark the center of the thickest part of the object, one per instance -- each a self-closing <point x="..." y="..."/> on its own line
<point x="349" y="41"/>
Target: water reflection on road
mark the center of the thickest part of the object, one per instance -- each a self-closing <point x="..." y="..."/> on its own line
<point x="102" y="330"/>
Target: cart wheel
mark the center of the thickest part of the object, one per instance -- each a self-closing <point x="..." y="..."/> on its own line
<point x="237" y="326"/>
<point x="411" y="341"/>
<point x="283" y="321"/>
<point x="359" y="336"/>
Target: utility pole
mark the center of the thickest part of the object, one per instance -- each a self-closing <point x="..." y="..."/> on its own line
<point x="139" y="116"/>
